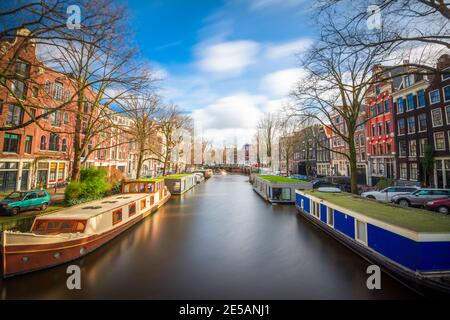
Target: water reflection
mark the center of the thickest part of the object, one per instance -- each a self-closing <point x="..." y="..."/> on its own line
<point x="218" y="241"/>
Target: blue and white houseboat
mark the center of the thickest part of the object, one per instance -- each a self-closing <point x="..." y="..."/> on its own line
<point x="278" y="189"/>
<point x="412" y="245"/>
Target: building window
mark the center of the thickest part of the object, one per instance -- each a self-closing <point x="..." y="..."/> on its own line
<point x="445" y="76"/>
<point x="43" y="144"/>
<point x="447" y="93"/>
<point x="422" y="119"/>
<point x="15" y="115"/>
<point x="55" y="119"/>
<point x="117" y="216"/>
<point x="86" y="106"/>
<point x="413" y="171"/>
<point x="402" y="148"/>
<point x="422" y="145"/>
<point x="35" y="92"/>
<point x="388" y="127"/>
<point x="421" y="98"/>
<point x="361" y="231"/>
<point x="67" y="97"/>
<point x="58" y="91"/>
<point x="403" y="171"/>
<point x="372" y="111"/>
<point x="412" y="148"/>
<point x="436" y="117"/>
<point x="381" y="148"/>
<point x="435" y="97"/>
<point x="373" y="130"/>
<point x="401" y="126"/>
<point x="386" y="106"/>
<point x="400" y="105"/>
<point x="408" y="80"/>
<point x="22" y="69"/>
<point x="11" y="143"/>
<point x="380" y="128"/>
<point x="28" y="144"/>
<point x="411" y="124"/>
<point x="411" y="102"/>
<point x="53" y="144"/>
<point x="66" y="118"/>
<point x="47" y="87"/>
<point x="374" y="150"/>
<point x="380" y="108"/>
<point x="439" y="141"/>
<point x="19" y="88"/>
<point x="388" y="148"/>
<point x="64" y="145"/>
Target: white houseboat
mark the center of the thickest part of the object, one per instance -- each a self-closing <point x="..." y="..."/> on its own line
<point x="278" y="189"/>
<point x="62" y="236"/>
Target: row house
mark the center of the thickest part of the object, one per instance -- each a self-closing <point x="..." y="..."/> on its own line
<point x="379" y="129"/>
<point x="339" y="162"/>
<point x="323" y="158"/>
<point x="422" y="117"/>
<point x="36" y="154"/>
<point x="411" y="118"/>
<point x="40" y="154"/>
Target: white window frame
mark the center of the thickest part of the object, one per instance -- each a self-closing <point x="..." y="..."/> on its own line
<point x="434" y="140"/>
<point x="443" y="93"/>
<point x="409" y="148"/>
<point x="422" y="150"/>
<point x="332" y="213"/>
<point x="432" y="117"/>
<point x="418" y="123"/>
<point x="356" y="232"/>
<point x="429" y="96"/>
<point x="407" y="125"/>
<point x="406" y="171"/>
<point x="410" y="171"/>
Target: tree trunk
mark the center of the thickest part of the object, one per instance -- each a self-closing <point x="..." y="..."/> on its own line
<point x="76" y="169"/>
<point x="140" y="163"/>
<point x="352" y="160"/>
<point x="77" y="148"/>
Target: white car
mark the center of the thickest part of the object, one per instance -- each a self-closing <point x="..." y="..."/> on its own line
<point x="386" y="195"/>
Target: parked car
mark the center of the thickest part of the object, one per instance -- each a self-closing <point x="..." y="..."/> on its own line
<point x="420" y="197"/>
<point x="386" y="194"/>
<point x="18" y="201"/>
<point x="299" y="177"/>
<point x="441" y="206"/>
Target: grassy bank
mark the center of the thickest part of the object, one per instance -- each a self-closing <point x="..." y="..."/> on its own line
<point x="417" y="220"/>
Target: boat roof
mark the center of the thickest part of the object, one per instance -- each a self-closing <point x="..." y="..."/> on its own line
<point x="157" y="179"/>
<point x="280" y="179"/>
<point x="178" y="176"/>
<point x="91" y="209"/>
<point x="417" y="220"/>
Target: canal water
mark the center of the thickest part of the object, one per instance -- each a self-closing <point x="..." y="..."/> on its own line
<point x="220" y="240"/>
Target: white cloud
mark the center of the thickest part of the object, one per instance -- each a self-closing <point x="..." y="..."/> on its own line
<point x="288" y="49"/>
<point x="228" y="57"/>
<point x="280" y="83"/>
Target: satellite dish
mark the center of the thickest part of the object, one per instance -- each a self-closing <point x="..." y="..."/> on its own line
<point x="329" y="190"/>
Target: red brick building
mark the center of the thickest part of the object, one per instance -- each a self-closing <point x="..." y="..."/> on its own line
<point x="40" y="153"/>
<point x="380" y="130"/>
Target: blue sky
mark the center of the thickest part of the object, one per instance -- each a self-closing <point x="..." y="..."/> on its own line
<point x="225" y="61"/>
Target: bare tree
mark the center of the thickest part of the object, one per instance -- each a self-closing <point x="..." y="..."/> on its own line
<point x="267" y="127"/>
<point x="169" y="124"/>
<point x="289" y="137"/>
<point x="29" y="26"/>
<point x="334" y="87"/>
<point x="206" y="145"/>
<point x="103" y="69"/>
<point x="143" y="111"/>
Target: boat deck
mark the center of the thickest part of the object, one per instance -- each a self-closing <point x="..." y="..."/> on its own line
<point x="94" y="208"/>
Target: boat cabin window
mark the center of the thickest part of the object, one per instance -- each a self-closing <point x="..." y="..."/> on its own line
<point x="361" y="231"/>
<point x="126" y="188"/>
<point x="117" y="216"/>
<point x="131" y="209"/>
<point x="135" y="187"/>
<point x="150" y="187"/>
<point x="330" y="216"/>
<point x="62" y="226"/>
<point x="143" y="204"/>
<point x="142" y="187"/>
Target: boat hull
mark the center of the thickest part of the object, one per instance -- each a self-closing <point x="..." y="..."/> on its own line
<point x="43" y="256"/>
<point x="423" y="284"/>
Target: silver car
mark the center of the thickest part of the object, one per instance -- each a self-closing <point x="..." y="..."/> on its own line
<point x="386" y="194"/>
<point x="420" y="197"/>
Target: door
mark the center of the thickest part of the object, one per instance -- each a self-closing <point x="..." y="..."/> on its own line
<point x="24" y="181"/>
<point x="29" y="201"/>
